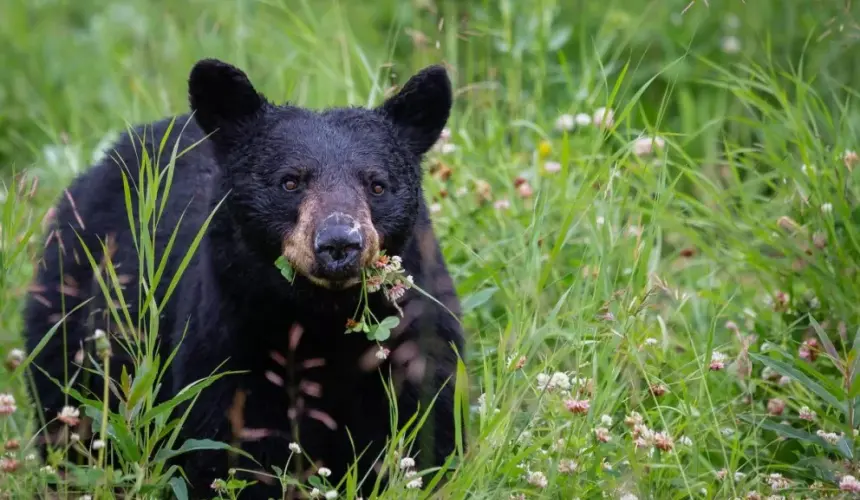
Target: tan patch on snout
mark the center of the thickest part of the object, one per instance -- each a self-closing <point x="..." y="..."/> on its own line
<point x="299" y="243"/>
<point x="371" y="236"/>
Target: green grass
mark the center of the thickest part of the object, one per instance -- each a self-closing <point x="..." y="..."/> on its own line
<point x="627" y="273"/>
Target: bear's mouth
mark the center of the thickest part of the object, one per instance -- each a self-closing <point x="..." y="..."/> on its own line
<point x="338" y="284"/>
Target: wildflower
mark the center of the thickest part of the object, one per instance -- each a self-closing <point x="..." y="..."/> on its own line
<point x="730" y="44"/>
<point x="414" y="484"/>
<point x="331" y="494"/>
<point x="435" y="208"/>
<point x="103" y="348"/>
<point x="808" y="350"/>
<point x="567" y="466"/>
<point x="550" y="383"/>
<point x="849" y="483"/>
<point x="605" y="465"/>
<point x="731" y="325"/>
<point x="74" y="437"/>
<point x="582" y="119"/>
<point x="850" y="159"/>
<point x="602" y="434"/>
<point x="565" y="122"/>
<point x="396" y="292"/>
<point x="483" y="190"/>
<point x="14" y="359"/>
<point x="753" y="495"/>
<point x="9" y="464"/>
<point x="727" y="431"/>
<point x="606" y="316"/>
<point x="718" y="361"/>
<point x="603" y="117"/>
<point x="382" y="353"/>
<point x="663" y="441"/>
<point x="98" y="444"/>
<point x="69" y="416"/>
<point x="643" y="437"/>
<point x="633" y="419"/>
<point x="769" y="373"/>
<point x="819" y="239"/>
<point x="721" y="474"/>
<point x="806" y="414"/>
<point x="7" y="404"/>
<point x="407" y="462"/>
<point x="658" y="389"/>
<point x="544" y="149"/>
<point x="739" y="476"/>
<point x="552" y="167"/>
<point x="606" y="420"/>
<point x="629" y="496"/>
<point x="374" y="284"/>
<point x="538" y="479"/>
<point x="577" y="407"/>
<point x="502" y="204"/>
<point x="447" y="148"/>
<point x="685" y="440"/>
<point x="600" y="221"/>
<point x="324" y="472"/>
<point x="830" y="437"/>
<point x="219" y="485"/>
<point x="646" y="145"/>
<point x="826" y="208"/>
<point x="295" y="448"/>
<point x="777" y="482"/>
<point x="521" y="362"/>
<point x="524" y="189"/>
<point x="47" y="470"/>
<point x="775" y="406"/>
<point x="781" y="301"/>
<point x="315" y="493"/>
<point x="650" y="341"/>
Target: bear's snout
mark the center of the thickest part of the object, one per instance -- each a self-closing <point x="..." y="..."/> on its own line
<point x="338" y="245"/>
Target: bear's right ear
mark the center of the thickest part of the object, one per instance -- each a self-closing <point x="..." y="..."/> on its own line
<point x="221" y="96"/>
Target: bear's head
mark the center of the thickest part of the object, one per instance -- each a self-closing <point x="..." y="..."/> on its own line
<point x="326" y="189"/>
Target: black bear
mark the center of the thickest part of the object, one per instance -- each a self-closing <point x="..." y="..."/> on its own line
<point x="332" y="193"/>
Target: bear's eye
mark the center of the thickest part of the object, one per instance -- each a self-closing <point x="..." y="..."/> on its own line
<point x="291" y="185"/>
<point x="377" y="188"/>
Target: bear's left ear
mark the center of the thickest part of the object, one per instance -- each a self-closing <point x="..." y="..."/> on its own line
<point x="421" y="108"/>
<point x="222" y="97"/>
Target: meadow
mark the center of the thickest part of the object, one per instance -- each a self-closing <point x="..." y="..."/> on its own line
<point x="651" y="211"/>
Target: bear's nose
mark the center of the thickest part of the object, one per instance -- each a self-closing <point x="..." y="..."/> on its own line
<point x="338" y="247"/>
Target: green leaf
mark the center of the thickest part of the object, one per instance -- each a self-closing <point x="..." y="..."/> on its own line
<point x="187" y="392"/>
<point x="801" y="378"/>
<point x="286" y="268"/>
<point x="315" y="481"/>
<point x="787" y="431"/>
<point x="379" y="333"/>
<point x="180" y="489"/>
<point x="197" y="445"/>
<point x="478" y="299"/>
<point x="390" y="322"/>
<point x="142" y="383"/>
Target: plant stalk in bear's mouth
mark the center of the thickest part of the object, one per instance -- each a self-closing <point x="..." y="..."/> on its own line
<point x="386" y="274"/>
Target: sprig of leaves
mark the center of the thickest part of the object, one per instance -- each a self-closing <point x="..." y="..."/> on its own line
<point x="387" y="275"/>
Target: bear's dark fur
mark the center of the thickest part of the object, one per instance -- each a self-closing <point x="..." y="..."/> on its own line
<point x="284" y="174"/>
